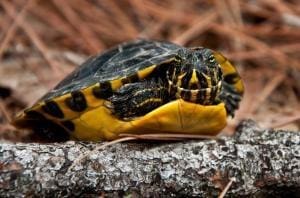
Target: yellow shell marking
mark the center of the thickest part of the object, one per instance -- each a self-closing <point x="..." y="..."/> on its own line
<point x="116" y="84"/>
<point x="145" y="72"/>
<point x="229" y="69"/>
<point x="91" y="100"/>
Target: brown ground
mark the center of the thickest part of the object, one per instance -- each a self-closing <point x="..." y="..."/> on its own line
<point x="42" y="41"/>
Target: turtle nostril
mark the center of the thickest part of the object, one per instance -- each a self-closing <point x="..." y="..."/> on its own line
<point x="194" y="86"/>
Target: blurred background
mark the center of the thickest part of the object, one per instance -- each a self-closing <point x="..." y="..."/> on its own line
<point x="42" y="41"/>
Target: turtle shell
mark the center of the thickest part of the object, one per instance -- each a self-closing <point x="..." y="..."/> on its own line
<point x="119" y="63"/>
<point x="77" y="107"/>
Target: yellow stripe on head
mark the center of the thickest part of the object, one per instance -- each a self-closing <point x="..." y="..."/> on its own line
<point x="194" y="78"/>
<point x="208" y="79"/>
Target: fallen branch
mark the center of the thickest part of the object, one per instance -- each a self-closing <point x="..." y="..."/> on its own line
<point x="259" y="162"/>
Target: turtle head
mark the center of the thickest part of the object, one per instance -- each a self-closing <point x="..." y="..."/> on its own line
<point x="197" y="77"/>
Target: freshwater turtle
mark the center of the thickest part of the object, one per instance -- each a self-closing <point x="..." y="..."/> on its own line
<point x="139" y="87"/>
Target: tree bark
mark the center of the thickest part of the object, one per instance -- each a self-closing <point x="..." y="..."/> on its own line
<point x="261" y="162"/>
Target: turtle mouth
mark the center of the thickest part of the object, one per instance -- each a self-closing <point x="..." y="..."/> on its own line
<point x="205" y="95"/>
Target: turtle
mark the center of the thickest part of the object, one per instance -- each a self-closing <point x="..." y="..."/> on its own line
<point x="139" y="87"/>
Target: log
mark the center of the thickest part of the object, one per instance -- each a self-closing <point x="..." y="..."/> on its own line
<point x="261" y="162"/>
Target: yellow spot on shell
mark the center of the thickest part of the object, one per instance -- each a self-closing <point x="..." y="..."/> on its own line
<point x="145" y="72"/>
<point x="116" y="84"/>
<point x="228" y="69"/>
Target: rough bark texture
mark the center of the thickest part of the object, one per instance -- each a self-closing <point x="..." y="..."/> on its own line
<point x="263" y="163"/>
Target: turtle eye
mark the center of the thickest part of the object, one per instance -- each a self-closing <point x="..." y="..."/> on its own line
<point x="211" y="59"/>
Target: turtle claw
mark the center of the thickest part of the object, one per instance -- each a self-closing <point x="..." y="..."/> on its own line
<point x="108" y="105"/>
<point x="230" y="97"/>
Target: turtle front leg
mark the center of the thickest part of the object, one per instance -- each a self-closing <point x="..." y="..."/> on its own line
<point x="137" y="99"/>
<point x="231" y="97"/>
